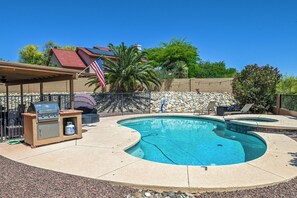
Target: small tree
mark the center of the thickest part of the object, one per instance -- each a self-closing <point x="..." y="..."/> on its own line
<point x="177" y="50"/>
<point x="256" y="85"/>
<point x="180" y="70"/>
<point x="31" y="55"/>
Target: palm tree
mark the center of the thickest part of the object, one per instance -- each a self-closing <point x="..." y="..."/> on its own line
<point x="180" y="69"/>
<point x="129" y="72"/>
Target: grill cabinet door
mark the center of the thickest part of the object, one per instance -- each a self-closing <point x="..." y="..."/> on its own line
<point x="47" y="130"/>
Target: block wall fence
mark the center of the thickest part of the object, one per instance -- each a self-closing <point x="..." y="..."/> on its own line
<point x="219" y="85"/>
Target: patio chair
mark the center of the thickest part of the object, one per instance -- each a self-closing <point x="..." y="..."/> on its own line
<point x="244" y="110"/>
<point x="211" y="106"/>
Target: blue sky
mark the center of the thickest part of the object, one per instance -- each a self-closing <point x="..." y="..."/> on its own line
<point x="239" y="32"/>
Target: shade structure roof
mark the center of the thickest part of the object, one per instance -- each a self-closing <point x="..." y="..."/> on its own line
<point x="12" y="73"/>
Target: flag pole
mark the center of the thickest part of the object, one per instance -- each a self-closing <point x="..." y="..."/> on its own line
<point x="83" y="70"/>
<point x="86" y="68"/>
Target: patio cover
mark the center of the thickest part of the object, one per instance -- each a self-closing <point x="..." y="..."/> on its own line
<point x="18" y="74"/>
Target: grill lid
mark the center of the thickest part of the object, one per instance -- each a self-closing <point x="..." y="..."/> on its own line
<point x="44" y="107"/>
<point x="45" y="111"/>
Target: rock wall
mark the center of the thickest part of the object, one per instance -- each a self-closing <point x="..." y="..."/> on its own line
<point x="186" y="102"/>
<point x="189" y="101"/>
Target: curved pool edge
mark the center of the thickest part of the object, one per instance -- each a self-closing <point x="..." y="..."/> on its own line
<point x="113" y="164"/>
<point x="255" y="167"/>
<point x="269" y="143"/>
<point x="195" y="189"/>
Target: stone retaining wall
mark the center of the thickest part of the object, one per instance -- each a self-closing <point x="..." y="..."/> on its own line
<point x="181" y="102"/>
<point x="189" y="101"/>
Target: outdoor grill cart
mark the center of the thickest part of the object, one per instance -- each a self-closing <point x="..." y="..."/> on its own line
<point x="44" y="123"/>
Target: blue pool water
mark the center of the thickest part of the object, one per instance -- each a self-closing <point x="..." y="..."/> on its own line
<point x="192" y="141"/>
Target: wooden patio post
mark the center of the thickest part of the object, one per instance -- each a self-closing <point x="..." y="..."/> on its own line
<point x="6" y="115"/>
<point x="7" y="99"/>
<point x="41" y="91"/>
<point x="71" y="88"/>
<point x="22" y="95"/>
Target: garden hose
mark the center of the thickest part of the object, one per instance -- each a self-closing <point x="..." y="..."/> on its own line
<point x="13" y="142"/>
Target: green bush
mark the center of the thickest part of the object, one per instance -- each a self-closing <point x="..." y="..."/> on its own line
<point x="257" y="85"/>
<point x="287" y="85"/>
<point x="288" y="88"/>
<point x="206" y="69"/>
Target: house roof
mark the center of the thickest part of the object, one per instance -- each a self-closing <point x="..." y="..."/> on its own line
<point x="102" y="48"/>
<point x="96" y="51"/>
<point x="100" y="51"/>
<point x="69" y="58"/>
<point x="87" y="52"/>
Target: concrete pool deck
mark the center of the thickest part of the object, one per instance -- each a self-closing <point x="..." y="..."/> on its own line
<point x="100" y="155"/>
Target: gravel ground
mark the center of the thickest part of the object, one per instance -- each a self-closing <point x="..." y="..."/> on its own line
<point x="20" y="180"/>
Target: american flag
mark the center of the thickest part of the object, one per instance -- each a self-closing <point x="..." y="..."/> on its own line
<point x="97" y="66"/>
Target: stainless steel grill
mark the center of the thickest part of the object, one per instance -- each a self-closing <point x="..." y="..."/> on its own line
<point x="45" y="111"/>
<point x="47" y="119"/>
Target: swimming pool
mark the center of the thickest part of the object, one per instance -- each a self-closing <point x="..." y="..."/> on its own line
<point x="192" y="141"/>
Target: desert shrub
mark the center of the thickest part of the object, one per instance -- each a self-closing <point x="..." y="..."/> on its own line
<point x="257" y="85"/>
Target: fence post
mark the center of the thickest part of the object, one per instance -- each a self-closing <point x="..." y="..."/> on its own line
<point x="122" y="97"/>
<point x="281" y="101"/>
<point x="150" y="97"/>
<point x="59" y="101"/>
<point x="49" y="97"/>
<point x="278" y="103"/>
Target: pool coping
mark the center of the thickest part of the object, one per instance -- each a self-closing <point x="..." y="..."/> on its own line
<point x="101" y="150"/>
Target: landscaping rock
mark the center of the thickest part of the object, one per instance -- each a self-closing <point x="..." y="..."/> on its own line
<point x="188" y="102"/>
<point x="176" y="102"/>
